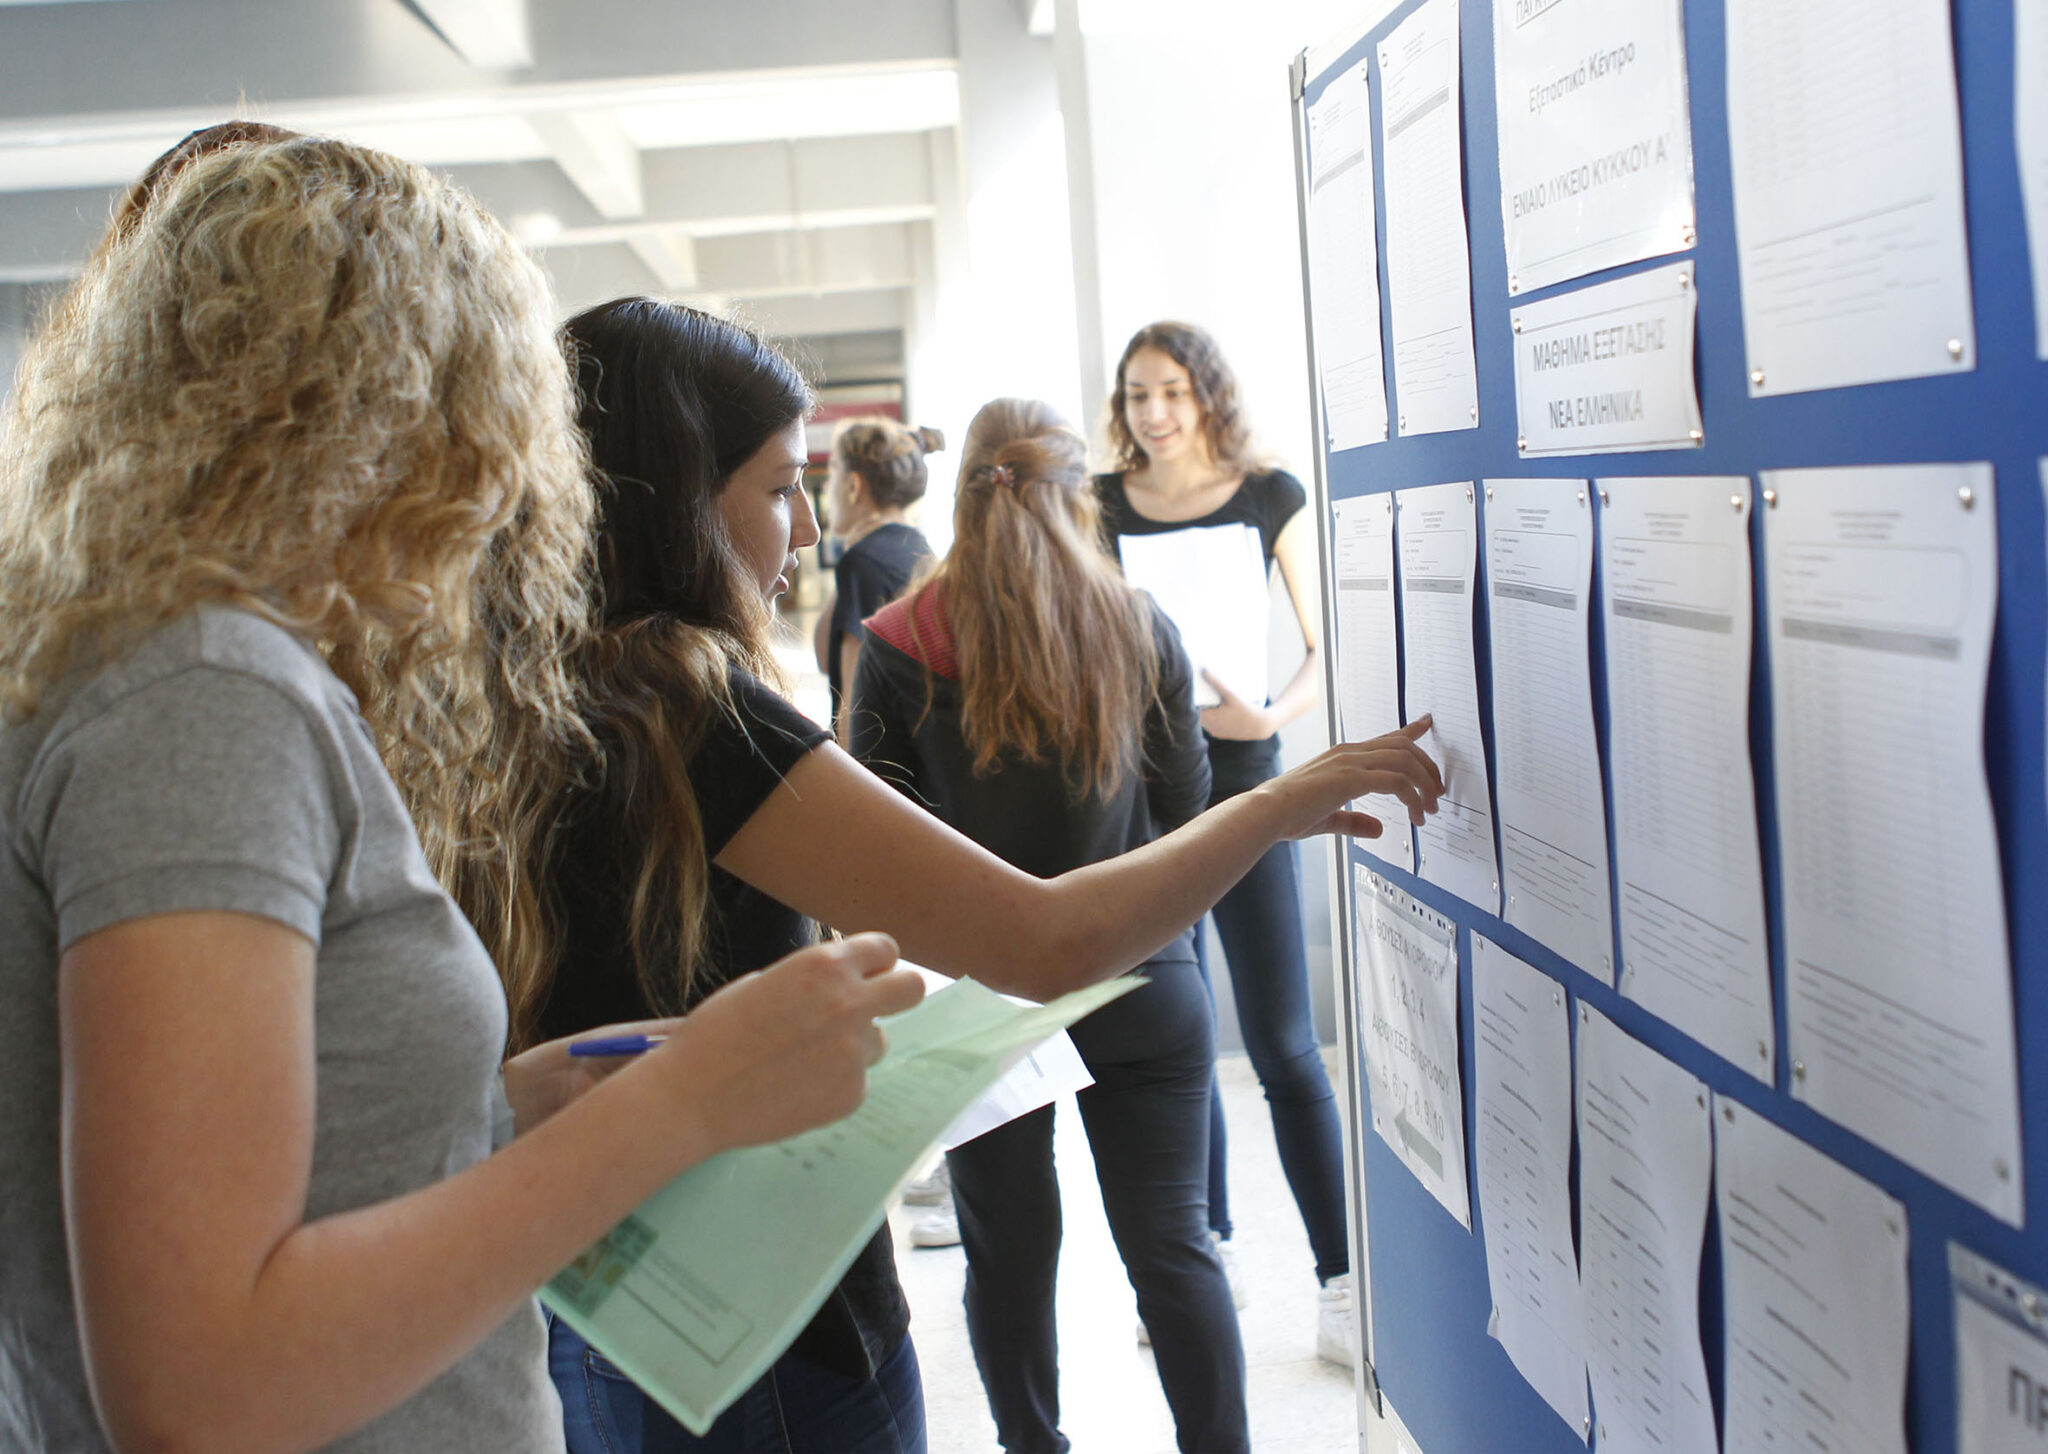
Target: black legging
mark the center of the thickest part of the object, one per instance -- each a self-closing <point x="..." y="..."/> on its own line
<point x="1259" y="922"/>
<point x="1147" y="1117"/>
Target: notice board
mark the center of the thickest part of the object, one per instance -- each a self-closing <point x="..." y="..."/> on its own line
<point x="1426" y="1280"/>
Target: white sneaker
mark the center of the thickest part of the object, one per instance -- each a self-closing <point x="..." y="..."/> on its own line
<point x="930" y="1190"/>
<point x="1227" y="1255"/>
<point x="939" y="1227"/>
<point x="1336" y="1328"/>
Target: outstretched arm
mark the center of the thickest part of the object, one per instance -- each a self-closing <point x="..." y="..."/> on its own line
<point x="837" y="843"/>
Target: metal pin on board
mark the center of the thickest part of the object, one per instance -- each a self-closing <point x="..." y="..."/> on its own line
<point x="1489" y="492"/>
<point x="1585" y="1425"/>
<point x="1684" y="280"/>
<point x="2032" y="1303"/>
<point x="2001" y="1170"/>
<point x="1728" y="1113"/>
<point x="1799" y="1071"/>
<point x="1496" y="885"/>
<point x="1582" y="497"/>
<point x="1690" y="235"/>
<point x="1605" y="498"/>
<point x="1698" y="437"/>
<point x="1756" y="378"/>
<point x="1475" y="413"/>
<point x="1557" y="997"/>
<point x="1468" y="494"/>
<point x="1770" y="499"/>
<point x="1968" y="496"/>
<point x="1518" y="322"/>
<point x="1522" y="443"/>
<point x="1584" y="1017"/>
<point x="1404" y="424"/>
<point x="1955" y="350"/>
<point x="1514" y="283"/>
<point x="1891" y="1225"/>
<point x="1763" y="1051"/>
<point x="1700" y="1099"/>
<point x="1511" y="901"/>
<point x="1735" y="502"/>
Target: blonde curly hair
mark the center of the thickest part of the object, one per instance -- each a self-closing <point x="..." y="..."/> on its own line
<point x="315" y="382"/>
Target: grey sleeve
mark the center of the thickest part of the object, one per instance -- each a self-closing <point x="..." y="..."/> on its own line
<point x="207" y="790"/>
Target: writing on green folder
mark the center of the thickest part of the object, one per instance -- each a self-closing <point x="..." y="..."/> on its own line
<point x="697" y="1292"/>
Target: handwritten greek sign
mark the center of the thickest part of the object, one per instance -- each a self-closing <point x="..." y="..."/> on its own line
<point x="1609" y="368"/>
<point x="1595" y="138"/>
<point x="1407" y="967"/>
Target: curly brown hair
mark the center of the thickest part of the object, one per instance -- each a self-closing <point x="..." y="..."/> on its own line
<point x="888" y="456"/>
<point x="1224" y="428"/>
<point x="314" y="382"/>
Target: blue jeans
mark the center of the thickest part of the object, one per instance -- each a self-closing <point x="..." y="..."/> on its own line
<point x="796" y="1408"/>
<point x="1259" y="922"/>
<point x="1152" y="1054"/>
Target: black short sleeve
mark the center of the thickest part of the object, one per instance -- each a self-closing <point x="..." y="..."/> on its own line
<point x="744" y="755"/>
<point x="1267" y="500"/>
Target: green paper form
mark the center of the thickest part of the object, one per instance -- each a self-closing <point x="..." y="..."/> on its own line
<point x="695" y="1294"/>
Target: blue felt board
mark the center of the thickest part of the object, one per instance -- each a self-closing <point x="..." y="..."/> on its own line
<point x="1453" y="1386"/>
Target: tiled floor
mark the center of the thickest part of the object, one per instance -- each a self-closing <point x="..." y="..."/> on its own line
<point x="1109" y="1390"/>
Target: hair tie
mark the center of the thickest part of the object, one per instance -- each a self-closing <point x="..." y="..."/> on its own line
<point x="1002" y="474"/>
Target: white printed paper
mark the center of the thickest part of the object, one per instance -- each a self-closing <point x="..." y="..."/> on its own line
<point x="1553" y="805"/>
<point x="1368" y="655"/>
<point x="1037" y="1078"/>
<point x="1848" y="169"/>
<point x="1678" y="619"/>
<point x="2001" y="1358"/>
<point x="1429" y="257"/>
<point x="1406" y="958"/>
<point x="1883" y="588"/>
<point x="2030" y="134"/>
<point x="1608" y="369"/>
<point x="1595" y="137"/>
<point x="1814" y="1300"/>
<point x="1646" y="1157"/>
<point x="1522" y="1123"/>
<point x="1344" y="263"/>
<point x="1210" y="581"/>
<point x="1438" y="539"/>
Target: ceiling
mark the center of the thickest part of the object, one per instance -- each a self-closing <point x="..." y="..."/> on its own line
<point x="778" y="157"/>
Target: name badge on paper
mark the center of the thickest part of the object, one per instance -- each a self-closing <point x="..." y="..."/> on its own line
<point x="1608" y="369"/>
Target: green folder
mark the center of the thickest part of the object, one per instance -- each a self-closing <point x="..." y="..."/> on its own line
<point x="696" y="1293"/>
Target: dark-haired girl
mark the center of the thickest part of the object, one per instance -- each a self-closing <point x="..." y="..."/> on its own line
<point x="718" y="822"/>
<point x="1184" y="464"/>
<point x="878" y="472"/>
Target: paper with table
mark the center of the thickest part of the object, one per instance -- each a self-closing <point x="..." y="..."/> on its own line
<point x="1439" y="546"/>
<point x="1813" y="1291"/>
<point x="1847" y="152"/>
<point x="706" y="1284"/>
<point x="1553" y="804"/>
<point x="1595" y="138"/>
<point x="1883" y="589"/>
<point x="1368" y="657"/>
<point x="2001" y="1357"/>
<point x="1344" y="262"/>
<point x="1646" y="1160"/>
<point x="1210" y="581"/>
<point x="1678" y="618"/>
<point x="1405" y="955"/>
<point x="1429" y="257"/>
<point x="1522" y="1125"/>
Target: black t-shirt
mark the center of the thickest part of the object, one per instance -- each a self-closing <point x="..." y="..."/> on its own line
<point x="741" y="760"/>
<point x="1266" y="501"/>
<point x="872" y="573"/>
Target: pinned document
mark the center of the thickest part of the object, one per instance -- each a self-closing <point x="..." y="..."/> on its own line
<point x="1595" y="138"/>
<point x="1608" y="369"/>
<point x="1406" y="959"/>
<point x="1344" y="263"/>
<point x="1553" y="806"/>
<point x="1848" y="169"/>
<point x="1883" y="587"/>
<point x="696" y="1293"/>
<point x="1677" y="609"/>
<point x="1813" y="1292"/>
<point x="1522" y="1124"/>
<point x="1368" y="652"/>
<point x="1429" y="256"/>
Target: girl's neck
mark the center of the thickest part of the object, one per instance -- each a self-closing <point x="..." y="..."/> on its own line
<point x="1184" y="475"/>
<point x="874" y="520"/>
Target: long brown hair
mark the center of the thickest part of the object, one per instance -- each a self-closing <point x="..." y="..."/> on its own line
<point x="1224" y="428"/>
<point x="1057" y="657"/>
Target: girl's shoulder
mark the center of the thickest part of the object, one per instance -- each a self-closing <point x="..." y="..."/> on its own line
<point x="921" y="628"/>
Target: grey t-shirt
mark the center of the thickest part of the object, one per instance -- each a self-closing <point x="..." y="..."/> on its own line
<point x="222" y="766"/>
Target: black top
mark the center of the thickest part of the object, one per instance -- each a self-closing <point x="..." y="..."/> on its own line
<point x="1266" y="501"/>
<point x="870" y="574"/>
<point x="1029" y="814"/>
<point x="740" y="761"/>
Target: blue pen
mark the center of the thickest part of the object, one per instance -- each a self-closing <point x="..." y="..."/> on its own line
<point x="617" y="1045"/>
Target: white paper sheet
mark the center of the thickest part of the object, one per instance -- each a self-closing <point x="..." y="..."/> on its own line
<point x="1848" y="163"/>
<point x="1883" y="588"/>
<point x="1814" y="1299"/>
<point x="1438" y="537"/>
<point x="1608" y="369"/>
<point x="1429" y="258"/>
<point x="1211" y="583"/>
<point x="1678" y="617"/>
<point x="1344" y="263"/>
<point x="1595" y="137"/>
<point x="2030" y="134"/>
<point x="1553" y="805"/>
<point x="1522" y="1125"/>
<point x="2001" y="1358"/>
<point x="1646" y="1157"/>
<point x="1368" y="656"/>
<point x="1406" y="958"/>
